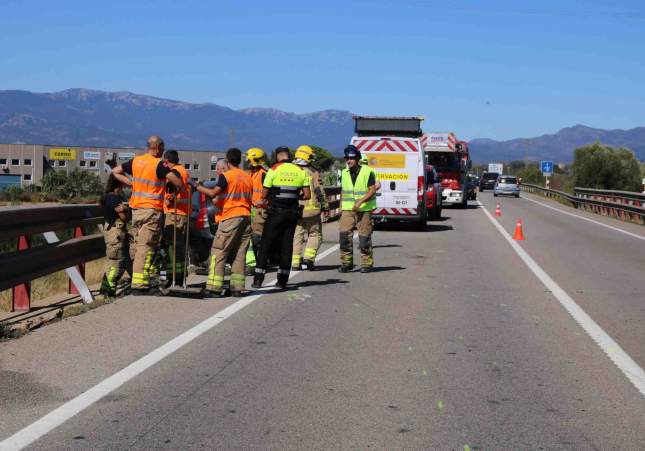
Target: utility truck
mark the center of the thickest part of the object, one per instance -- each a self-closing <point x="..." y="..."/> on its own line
<point x="392" y="146"/>
<point x="451" y="159"/>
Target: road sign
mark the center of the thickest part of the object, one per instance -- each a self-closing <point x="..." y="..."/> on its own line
<point x="546" y="167"/>
<point x="496" y="167"/>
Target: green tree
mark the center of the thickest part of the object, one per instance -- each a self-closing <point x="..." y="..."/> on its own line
<point x="603" y="167"/>
<point x="76" y="184"/>
<point x="322" y="159"/>
<point x="531" y="174"/>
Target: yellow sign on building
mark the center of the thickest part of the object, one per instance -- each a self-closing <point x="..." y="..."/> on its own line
<point x="62" y="154"/>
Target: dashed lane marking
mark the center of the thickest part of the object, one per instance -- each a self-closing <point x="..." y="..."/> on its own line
<point x="634" y="235"/>
<point x="71" y="408"/>
<point x="621" y="359"/>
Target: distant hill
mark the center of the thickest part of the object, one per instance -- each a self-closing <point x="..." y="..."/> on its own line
<point x="558" y="147"/>
<point x="97" y="118"/>
<point x="85" y="117"/>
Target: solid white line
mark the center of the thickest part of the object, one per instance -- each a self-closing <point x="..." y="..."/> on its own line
<point x="63" y="413"/>
<point x="640" y="237"/>
<point x="622" y="360"/>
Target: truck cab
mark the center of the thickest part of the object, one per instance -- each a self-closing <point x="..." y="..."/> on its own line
<point x="451" y="160"/>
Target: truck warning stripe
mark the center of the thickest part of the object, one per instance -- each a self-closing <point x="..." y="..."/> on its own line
<point x="396" y="211"/>
<point x="376" y="145"/>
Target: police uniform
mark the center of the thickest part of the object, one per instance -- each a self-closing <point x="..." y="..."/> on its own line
<point x="233" y="231"/>
<point x="176" y="210"/>
<point x="354" y="185"/>
<point x="146" y="202"/>
<point x="117" y="243"/>
<point x="284" y="181"/>
<point x="309" y="229"/>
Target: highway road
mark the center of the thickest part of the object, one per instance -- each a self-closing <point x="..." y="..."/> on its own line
<point x="460" y="340"/>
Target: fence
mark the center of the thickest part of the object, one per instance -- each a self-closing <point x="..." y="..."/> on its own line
<point x="623" y="205"/>
<point x="27" y="263"/>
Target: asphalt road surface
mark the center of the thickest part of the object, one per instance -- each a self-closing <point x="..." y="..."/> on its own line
<point x="452" y="343"/>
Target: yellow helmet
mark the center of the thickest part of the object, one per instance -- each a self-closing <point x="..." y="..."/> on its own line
<point x="255" y="156"/>
<point x="304" y="152"/>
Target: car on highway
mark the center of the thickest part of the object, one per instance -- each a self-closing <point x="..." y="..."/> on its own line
<point x="487" y="180"/>
<point x="507" y="185"/>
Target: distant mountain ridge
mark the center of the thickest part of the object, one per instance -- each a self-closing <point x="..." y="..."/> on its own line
<point x="98" y="118"/>
<point x="85" y="117"/>
<point x="558" y="147"/>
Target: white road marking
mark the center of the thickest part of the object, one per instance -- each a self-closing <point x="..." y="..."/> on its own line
<point x="71" y="408"/>
<point x="622" y="360"/>
<point x="640" y="237"/>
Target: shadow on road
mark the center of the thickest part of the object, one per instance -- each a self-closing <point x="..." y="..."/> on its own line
<point x="308" y="283"/>
<point x="387" y="268"/>
<point x="382" y="246"/>
<point x="439" y="228"/>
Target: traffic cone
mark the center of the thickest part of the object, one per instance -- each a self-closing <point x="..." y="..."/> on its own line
<point x="519" y="235"/>
<point x="498" y="210"/>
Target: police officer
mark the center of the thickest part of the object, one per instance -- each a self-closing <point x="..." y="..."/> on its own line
<point x="358" y="199"/>
<point x="309" y="229"/>
<point x="284" y="184"/>
<point x="149" y="176"/>
<point x="116" y="235"/>
<point x="256" y="159"/>
<point x="235" y="188"/>
<point x="176" y="210"/>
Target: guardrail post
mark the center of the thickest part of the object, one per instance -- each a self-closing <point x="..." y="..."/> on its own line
<point x="21" y="294"/>
<point x="78" y="232"/>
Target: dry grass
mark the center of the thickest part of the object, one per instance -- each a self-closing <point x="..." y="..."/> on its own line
<point x="56" y="283"/>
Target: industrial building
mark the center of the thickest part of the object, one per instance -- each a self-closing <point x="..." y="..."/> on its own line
<point x="25" y="164"/>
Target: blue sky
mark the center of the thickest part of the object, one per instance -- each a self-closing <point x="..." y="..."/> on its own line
<point x="497" y="69"/>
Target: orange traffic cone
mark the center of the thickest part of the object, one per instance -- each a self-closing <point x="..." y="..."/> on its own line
<point x="498" y="210"/>
<point x="519" y="235"/>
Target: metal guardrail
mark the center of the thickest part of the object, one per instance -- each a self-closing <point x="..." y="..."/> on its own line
<point x="26" y="263"/>
<point x="623" y="205"/>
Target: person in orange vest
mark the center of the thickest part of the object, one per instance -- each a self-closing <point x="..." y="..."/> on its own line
<point x="256" y="159"/>
<point x="235" y="189"/>
<point x="149" y="177"/>
<point x="176" y="209"/>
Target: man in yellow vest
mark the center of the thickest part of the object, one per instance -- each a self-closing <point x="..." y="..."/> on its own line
<point x="357" y="200"/>
<point x="235" y="189"/>
<point x="149" y="176"/>
<point x="256" y="159"/>
<point x="176" y="211"/>
<point x="284" y="185"/>
<point x="309" y="229"/>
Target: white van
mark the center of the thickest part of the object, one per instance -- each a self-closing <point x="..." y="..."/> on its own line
<point x="399" y="163"/>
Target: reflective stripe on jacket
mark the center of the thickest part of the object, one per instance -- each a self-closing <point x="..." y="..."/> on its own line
<point x="147" y="190"/>
<point x="257" y="176"/>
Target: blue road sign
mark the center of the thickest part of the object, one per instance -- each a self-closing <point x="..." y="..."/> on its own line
<point x="546" y="167"/>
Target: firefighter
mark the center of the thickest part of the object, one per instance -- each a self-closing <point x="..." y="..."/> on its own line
<point x="309" y="229"/>
<point x="283" y="185"/>
<point x="149" y="176"/>
<point x="256" y="159"/>
<point x="116" y="235"/>
<point x="176" y="210"/>
<point x="358" y="199"/>
<point x="235" y="188"/>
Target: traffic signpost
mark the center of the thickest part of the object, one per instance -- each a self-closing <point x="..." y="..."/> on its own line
<point x="547" y="170"/>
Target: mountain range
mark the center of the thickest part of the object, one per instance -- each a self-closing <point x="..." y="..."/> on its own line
<point x="84" y="117"/>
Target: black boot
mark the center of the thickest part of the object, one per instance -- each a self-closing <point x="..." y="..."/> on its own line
<point x="282" y="281"/>
<point x="309" y="264"/>
<point x="258" y="279"/>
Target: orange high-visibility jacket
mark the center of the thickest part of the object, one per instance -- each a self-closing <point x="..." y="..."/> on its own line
<point x="236" y="200"/>
<point x="257" y="177"/>
<point x="183" y="196"/>
<point x="147" y="190"/>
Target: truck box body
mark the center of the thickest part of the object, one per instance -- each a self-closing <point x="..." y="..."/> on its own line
<point x="399" y="164"/>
